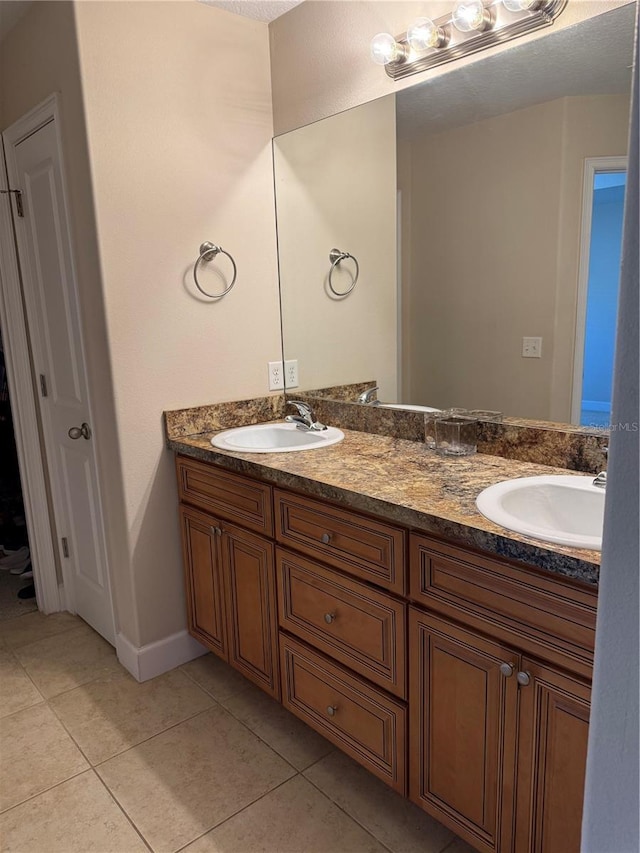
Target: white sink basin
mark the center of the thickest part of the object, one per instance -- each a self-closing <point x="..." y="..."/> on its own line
<point x="565" y="509"/>
<point x="275" y="438"/>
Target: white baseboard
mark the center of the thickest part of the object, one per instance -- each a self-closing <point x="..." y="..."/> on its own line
<point x="155" y="658"/>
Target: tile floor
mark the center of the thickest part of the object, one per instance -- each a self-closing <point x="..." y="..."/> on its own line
<point x="196" y="760"/>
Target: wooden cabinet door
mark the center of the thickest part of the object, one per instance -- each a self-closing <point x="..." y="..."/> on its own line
<point x="552" y="755"/>
<point x="462" y="731"/>
<point x="249" y="580"/>
<point x="203" y="579"/>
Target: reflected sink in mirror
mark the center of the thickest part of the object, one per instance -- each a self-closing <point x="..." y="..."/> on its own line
<point x="564" y="509"/>
<point x="275" y="438"/>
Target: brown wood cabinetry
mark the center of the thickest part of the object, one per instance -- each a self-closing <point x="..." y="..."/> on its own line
<point x="203" y="579"/>
<point x="552" y="756"/>
<point x="463" y="727"/>
<point x="362" y="721"/>
<point x="461" y="678"/>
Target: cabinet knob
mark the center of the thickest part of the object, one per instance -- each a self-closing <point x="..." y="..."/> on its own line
<point x="331" y="710"/>
<point x="523" y="678"/>
<point x="325" y="538"/>
<point x="329" y="617"/>
<point x="506" y="669"/>
<point x="217" y="531"/>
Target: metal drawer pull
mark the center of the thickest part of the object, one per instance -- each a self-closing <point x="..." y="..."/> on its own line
<point x="506" y="669"/>
<point x="325" y="538"/>
<point x="217" y="531"/>
<point x="331" y="710"/>
<point x="329" y="617"/>
<point x="523" y="678"/>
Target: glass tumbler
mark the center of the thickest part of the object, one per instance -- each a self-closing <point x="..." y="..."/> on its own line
<point x="456" y="435"/>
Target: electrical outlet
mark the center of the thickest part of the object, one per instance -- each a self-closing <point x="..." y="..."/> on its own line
<point x="532" y="347"/>
<point x="276" y="376"/>
<point x="291" y="373"/>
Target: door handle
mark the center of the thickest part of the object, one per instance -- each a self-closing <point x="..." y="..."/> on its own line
<point x="83" y="431"/>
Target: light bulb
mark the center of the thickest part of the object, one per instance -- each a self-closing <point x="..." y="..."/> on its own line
<point x="385" y="49"/>
<point x="522" y="5"/>
<point x="423" y="34"/>
<point x="470" y="15"/>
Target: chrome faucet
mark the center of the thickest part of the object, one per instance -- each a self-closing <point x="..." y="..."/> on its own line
<point x="305" y="419"/>
<point x="601" y="480"/>
<point x="366" y="398"/>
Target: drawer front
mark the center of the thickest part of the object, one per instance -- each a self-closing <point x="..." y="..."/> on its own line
<point x="475" y="589"/>
<point x="357" y="625"/>
<point x="346" y="540"/>
<point x="227" y="495"/>
<point x="360" y="720"/>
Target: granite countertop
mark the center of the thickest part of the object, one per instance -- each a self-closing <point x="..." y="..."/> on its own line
<point x="405" y="482"/>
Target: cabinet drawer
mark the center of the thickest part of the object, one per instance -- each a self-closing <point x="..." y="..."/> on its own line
<point x="546" y="615"/>
<point x="369" y="549"/>
<point x="363" y="722"/>
<point x="227" y="495"/>
<point x="357" y="625"/>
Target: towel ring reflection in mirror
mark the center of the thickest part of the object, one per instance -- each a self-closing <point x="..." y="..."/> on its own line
<point x="208" y="251"/>
<point x="336" y="256"/>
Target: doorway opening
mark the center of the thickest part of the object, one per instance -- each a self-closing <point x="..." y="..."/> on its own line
<point x="17" y="591"/>
<point x="605" y="181"/>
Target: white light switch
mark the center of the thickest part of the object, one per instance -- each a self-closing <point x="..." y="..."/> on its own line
<point x="532" y="347"/>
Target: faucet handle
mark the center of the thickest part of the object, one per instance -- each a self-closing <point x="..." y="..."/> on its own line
<point x="366" y="397"/>
<point x="304" y="410"/>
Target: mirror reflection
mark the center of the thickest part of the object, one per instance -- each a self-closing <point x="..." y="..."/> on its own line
<point x="484" y="211"/>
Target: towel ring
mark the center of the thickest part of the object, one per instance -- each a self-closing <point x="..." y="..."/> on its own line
<point x="335" y="256"/>
<point x="208" y="251"/>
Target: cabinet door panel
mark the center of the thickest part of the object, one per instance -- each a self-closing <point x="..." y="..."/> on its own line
<point x="203" y="578"/>
<point x="462" y="730"/>
<point x="251" y="607"/>
<point x="552" y="755"/>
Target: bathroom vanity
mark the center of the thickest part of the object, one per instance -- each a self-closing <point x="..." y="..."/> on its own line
<point x="450" y="659"/>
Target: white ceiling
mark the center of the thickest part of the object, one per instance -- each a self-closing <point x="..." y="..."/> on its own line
<point x="259" y="10"/>
<point x="590" y="58"/>
<point x="10" y="13"/>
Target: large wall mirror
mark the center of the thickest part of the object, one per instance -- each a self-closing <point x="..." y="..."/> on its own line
<point x="483" y="213"/>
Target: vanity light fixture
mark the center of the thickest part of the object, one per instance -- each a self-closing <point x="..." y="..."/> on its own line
<point x="424" y="33"/>
<point x="471" y="15"/>
<point x="385" y="49"/>
<point x="472" y="26"/>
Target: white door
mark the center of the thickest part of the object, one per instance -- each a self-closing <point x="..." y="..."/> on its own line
<point x="34" y="166"/>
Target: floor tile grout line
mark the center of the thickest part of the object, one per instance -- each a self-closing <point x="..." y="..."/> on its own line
<point x="122" y="809"/>
<point x="131" y="746"/>
<point x="352" y="817"/>
<point x="83" y="625"/>
<point x="45" y="790"/>
<point x="239" y="811"/>
<point x="151" y="737"/>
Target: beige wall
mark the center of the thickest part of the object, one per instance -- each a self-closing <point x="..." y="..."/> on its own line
<point x="336" y="187"/>
<point x="494" y="240"/>
<point x="178" y="105"/>
<point x="320" y="61"/>
<point x="39" y="56"/>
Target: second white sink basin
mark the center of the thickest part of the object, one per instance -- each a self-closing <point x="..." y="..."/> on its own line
<point x="565" y="509"/>
<point x="275" y="438"/>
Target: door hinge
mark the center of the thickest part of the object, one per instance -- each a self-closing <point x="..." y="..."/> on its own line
<point x="19" y="204"/>
<point x="43" y="385"/>
<point x="65" y="547"/>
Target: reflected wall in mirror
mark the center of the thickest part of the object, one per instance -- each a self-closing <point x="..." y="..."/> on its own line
<point x="467" y="203"/>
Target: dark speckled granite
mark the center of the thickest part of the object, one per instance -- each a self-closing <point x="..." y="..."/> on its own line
<point x="541" y="442"/>
<point x="217" y="416"/>
<point x="402" y="481"/>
